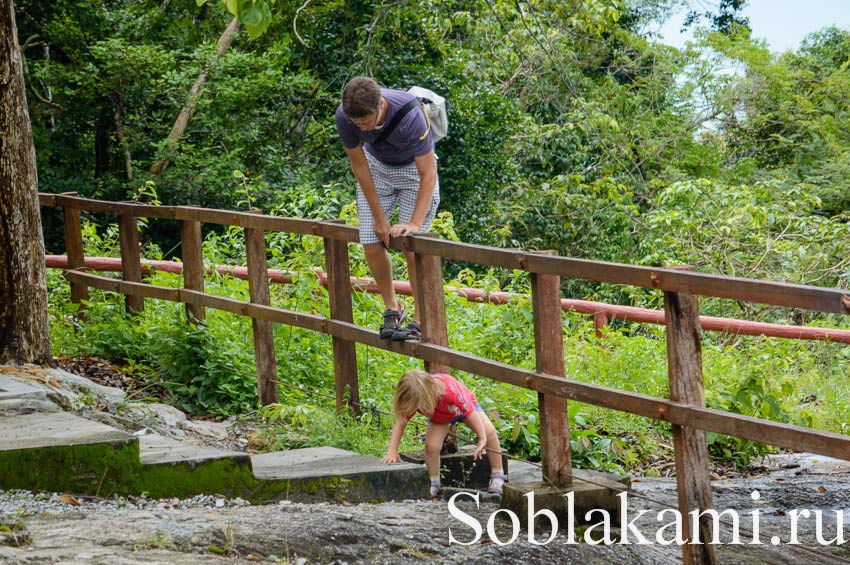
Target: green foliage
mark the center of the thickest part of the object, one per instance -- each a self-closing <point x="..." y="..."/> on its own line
<point x="765" y="230"/>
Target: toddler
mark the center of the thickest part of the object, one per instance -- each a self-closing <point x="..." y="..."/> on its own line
<point x="445" y="401"/>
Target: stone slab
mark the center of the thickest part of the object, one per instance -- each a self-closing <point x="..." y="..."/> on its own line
<point x="11" y="389"/>
<point x="39" y="430"/>
<point x="524" y="472"/>
<point x="158" y="450"/>
<point x="460" y="469"/>
<point x="314" y="462"/>
<point x="330" y="474"/>
<point x="601" y="494"/>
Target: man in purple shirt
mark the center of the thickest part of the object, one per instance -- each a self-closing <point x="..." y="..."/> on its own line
<point x="388" y="140"/>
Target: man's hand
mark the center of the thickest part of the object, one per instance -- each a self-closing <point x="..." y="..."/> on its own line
<point x="391" y="456"/>
<point x="409" y="228"/>
<point x="382" y="230"/>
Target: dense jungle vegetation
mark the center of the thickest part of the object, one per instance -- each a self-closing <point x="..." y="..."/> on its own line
<point x="572" y="127"/>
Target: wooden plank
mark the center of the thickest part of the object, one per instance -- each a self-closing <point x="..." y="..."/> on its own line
<point x="765" y="292"/>
<point x="549" y="358"/>
<point x="258" y="287"/>
<point x="677" y="280"/>
<point x="131" y="259"/>
<point x="792" y="437"/>
<point x="340" y="232"/>
<point x="207" y="215"/>
<point x="74" y="247"/>
<point x="193" y="265"/>
<point x="346" y="385"/>
<point x="431" y="303"/>
<point x="693" y="475"/>
<point x="45" y="199"/>
<point x="468" y="252"/>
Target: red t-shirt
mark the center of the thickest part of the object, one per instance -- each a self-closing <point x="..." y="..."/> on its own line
<point x="457" y="401"/>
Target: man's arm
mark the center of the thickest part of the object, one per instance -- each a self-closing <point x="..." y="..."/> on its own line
<point x="427" y="167"/>
<point x="357" y="157"/>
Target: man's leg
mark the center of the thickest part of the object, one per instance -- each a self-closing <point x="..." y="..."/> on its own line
<point x="407" y="204"/>
<point x="379" y="263"/>
<point x="376" y="254"/>
<point x="411" y="274"/>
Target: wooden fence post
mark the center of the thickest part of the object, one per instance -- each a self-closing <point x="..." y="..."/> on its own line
<point x="549" y="355"/>
<point x="431" y="302"/>
<point x="74" y="249"/>
<point x="131" y="259"/>
<point x="345" y="354"/>
<point x="193" y="265"/>
<point x="693" y="479"/>
<point x="258" y="288"/>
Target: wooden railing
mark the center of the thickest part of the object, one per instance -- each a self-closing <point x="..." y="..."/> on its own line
<point x="685" y="409"/>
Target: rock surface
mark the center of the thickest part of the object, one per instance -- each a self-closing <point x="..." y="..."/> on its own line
<point x="59" y="528"/>
<point x="200" y="529"/>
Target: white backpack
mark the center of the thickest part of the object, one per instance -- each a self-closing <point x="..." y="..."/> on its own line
<point x="435" y="110"/>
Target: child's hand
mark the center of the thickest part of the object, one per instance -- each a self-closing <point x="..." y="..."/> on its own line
<point x="391" y="456"/>
<point x="480" y="449"/>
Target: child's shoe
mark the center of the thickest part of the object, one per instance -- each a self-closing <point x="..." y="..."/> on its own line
<point x="435" y="487"/>
<point x="497" y="482"/>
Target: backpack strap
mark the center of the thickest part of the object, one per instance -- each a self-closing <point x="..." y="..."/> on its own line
<point x="397" y="117"/>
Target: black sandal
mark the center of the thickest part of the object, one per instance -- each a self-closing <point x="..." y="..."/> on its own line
<point x="410" y="332"/>
<point x="392" y="323"/>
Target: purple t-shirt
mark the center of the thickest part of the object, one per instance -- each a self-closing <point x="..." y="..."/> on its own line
<point x="411" y="138"/>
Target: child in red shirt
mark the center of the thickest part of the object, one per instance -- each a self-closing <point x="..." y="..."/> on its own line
<point x="444" y="401"/>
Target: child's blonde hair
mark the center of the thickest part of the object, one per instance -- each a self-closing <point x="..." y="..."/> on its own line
<point x="416" y="390"/>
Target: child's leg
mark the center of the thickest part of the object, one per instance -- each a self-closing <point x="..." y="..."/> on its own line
<point x="481" y="424"/>
<point x="434" y="437"/>
<point x="477" y="421"/>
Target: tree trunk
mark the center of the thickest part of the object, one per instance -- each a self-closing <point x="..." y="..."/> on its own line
<point x="24" y="335"/>
<point x="182" y="121"/>
<point x="122" y="141"/>
<point x="102" y="135"/>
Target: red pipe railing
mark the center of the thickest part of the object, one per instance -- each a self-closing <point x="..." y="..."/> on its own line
<point x="602" y="313"/>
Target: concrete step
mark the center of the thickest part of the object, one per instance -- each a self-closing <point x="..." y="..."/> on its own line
<point x="155" y="449"/>
<point x="30" y="431"/>
<point x="62" y="452"/>
<point x="59" y="451"/>
<point x="335" y="474"/>
<point x="522" y="472"/>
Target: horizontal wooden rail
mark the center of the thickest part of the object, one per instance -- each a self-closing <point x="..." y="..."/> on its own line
<point x="671" y="280"/>
<point x="206" y="215"/>
<point x="610" y="311"/>
<point x="774" y="433"/>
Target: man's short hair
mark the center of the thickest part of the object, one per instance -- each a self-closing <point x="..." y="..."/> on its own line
<point x="361" y="97"/>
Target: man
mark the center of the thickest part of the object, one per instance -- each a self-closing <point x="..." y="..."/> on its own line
<point x="388" y="140"/>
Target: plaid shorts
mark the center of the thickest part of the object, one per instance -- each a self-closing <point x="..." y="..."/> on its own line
<point x="393" y="184"/>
